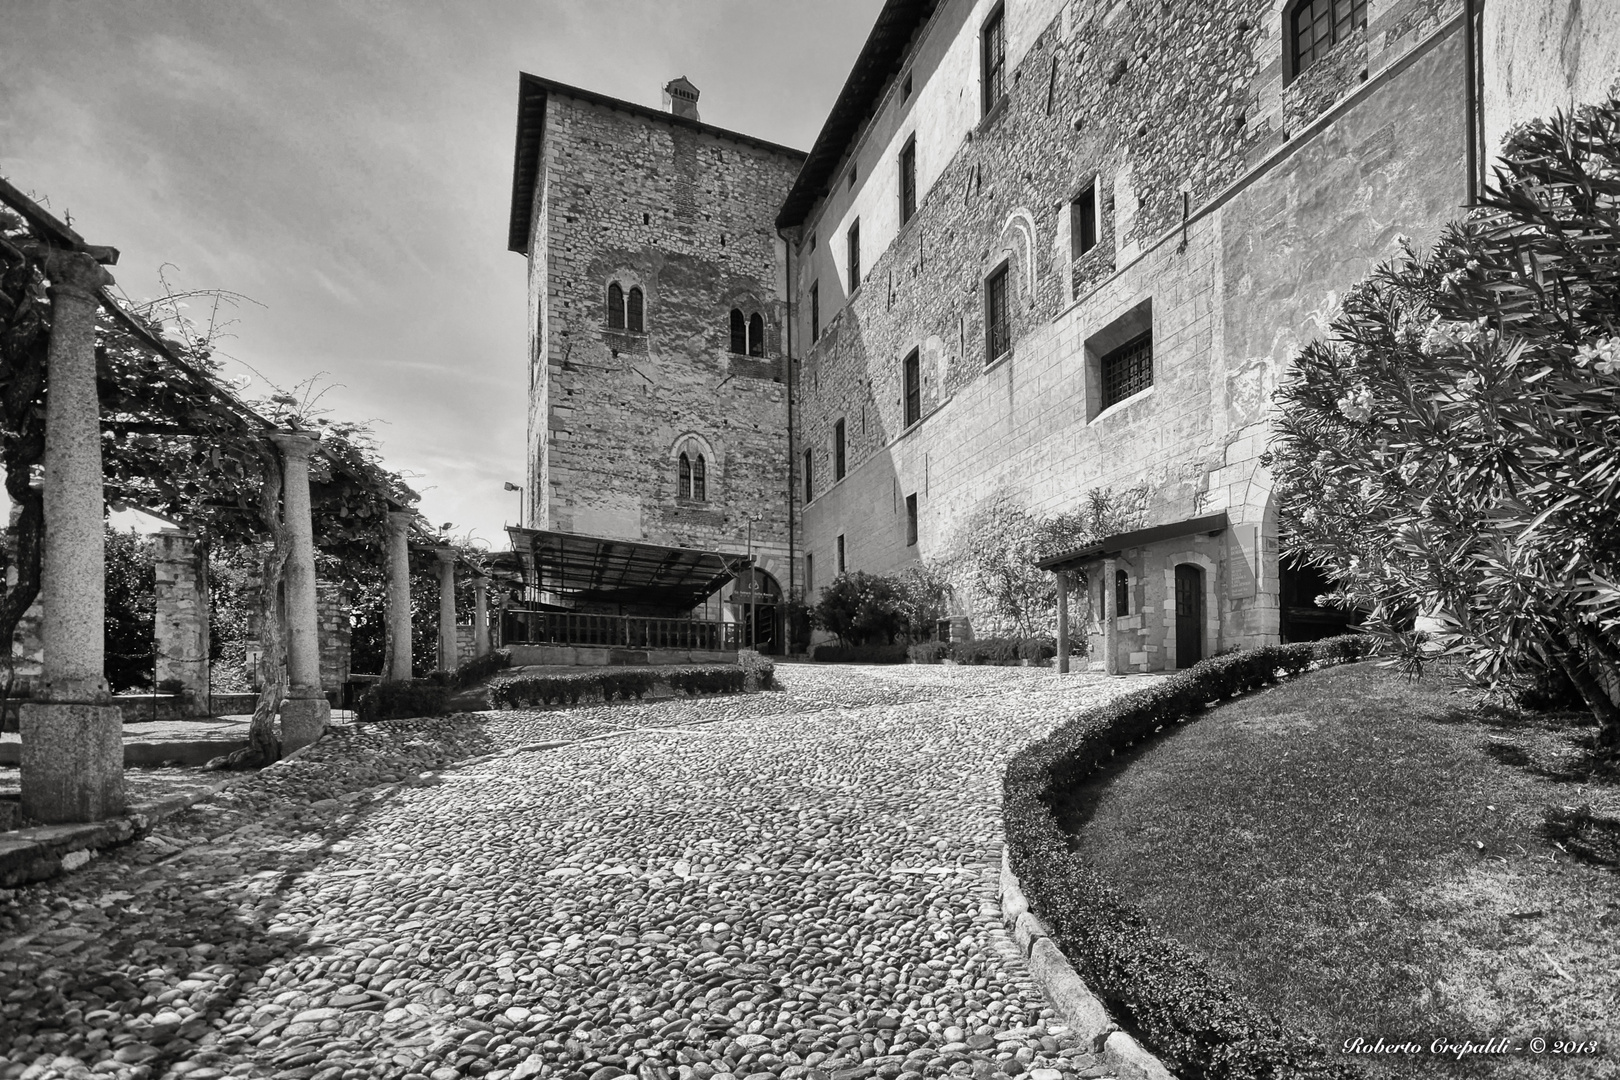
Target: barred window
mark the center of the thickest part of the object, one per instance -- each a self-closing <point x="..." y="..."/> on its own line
<point x="700" y="479"/>
<point x="634" y="308"/>
<point x="993" y="49"/>
<point x="1318" y="25"/>
<point x="1127" y="370"/>
<point x="615" y="307"/>
<point x="756" y="335"/>
<point x="997" y="337"/>
<point x="913" y="381"/>
<point x="685" y="476"/>
<point x="739" y="332"/>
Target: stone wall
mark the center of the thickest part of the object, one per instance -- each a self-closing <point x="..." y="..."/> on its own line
<point x="686" y="216"/>
<point x="1541" y="56"/>
<point x="181" y="625"/>
<point x="1228" y="227"/>
<point x="332" y="609"/>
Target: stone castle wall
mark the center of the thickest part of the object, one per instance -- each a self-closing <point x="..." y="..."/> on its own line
<point x="687" y="217"/>
<point x="1284" y="207"/>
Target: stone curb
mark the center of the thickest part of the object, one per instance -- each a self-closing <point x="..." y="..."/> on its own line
<point x="30" y="856"/>
<point x="1082" y="1010"/>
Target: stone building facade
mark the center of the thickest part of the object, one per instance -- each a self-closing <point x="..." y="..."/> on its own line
<point x="658" y="406"/>
<point x="1108" y="258"/>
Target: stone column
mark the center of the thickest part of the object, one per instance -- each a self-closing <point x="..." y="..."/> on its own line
<point x="305" y="712"/>
<point x="72" y="735"/>
<point x="1110" y="605"/>
<point x="399" y="597"/>
<point x="480" y="615"/>
<point x="447" y="609"/>
<point x="1063" y="622"/>
<point x="181" y="623"/>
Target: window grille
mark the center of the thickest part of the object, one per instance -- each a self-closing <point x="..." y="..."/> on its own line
<point x="1127" y="370"/>
<point x="1318" y="25"/>
<point x="739" y="332"/>
<point x="996" y="332"/>
<point x="913" y="381"/>
<point x="700" y="479"/>
<point x="993" y="41"/>
<point x="756" y="335"/>
<point x="615" y="304"/>
<point x="855" y="256"/>
<point x="908" y="181"/>
<point x="634" y="309"/>
<point x="838" y="450"/>
<point x="686" y="476"/>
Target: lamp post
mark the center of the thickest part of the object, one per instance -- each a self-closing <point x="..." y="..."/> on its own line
<point x="751" y="580"/>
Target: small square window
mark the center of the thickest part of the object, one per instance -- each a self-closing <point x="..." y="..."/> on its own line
<point x="1128" y="370"/>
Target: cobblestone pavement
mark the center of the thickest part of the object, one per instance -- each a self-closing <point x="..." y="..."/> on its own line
<point x="787" y="885"/>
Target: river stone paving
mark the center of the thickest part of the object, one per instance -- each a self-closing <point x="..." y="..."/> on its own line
<point x="794" y="884"/>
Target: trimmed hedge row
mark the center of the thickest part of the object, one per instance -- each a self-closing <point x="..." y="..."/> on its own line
<point x="399" y="700"/>
<point x="481" y="668"/>
<point x="622" y="684"/>
<point x="760" y="673"/>
<point x="858" y="654"/>
<point x="1154" y="985"/>
<point x="1001" y="651"/>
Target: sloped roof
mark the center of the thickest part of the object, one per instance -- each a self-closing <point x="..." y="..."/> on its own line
<point x="879" y="61"/>
<point x="594" y="569"/>
<point x="1113" y="545"/>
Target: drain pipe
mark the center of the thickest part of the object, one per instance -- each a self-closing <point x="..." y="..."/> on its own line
<point x="1471" y="96"/>
<point x="787" y="376"/>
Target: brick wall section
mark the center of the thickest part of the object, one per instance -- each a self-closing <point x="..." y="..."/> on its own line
<point x="1249" y="278"/>
<point x="687" y="217"/>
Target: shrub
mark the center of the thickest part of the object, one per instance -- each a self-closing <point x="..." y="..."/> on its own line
<point x="1037" y="648"/>
<point x="760" y="673"/>
<point x="1180" y="1008"/>
<point x="860" y="608"/>
<point x="481" y="668"/>
<point x="858" y="654"/>
<point x="397" y="700"/>
<point x="998" y="651"/>
<point x="927" y="652"/>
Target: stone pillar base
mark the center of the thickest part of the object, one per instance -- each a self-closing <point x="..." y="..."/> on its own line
<point x="303" y="719"/>
<point x="72" y="762"/>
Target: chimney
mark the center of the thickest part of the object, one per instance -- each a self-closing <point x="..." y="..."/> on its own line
<point x="680" y="98"/>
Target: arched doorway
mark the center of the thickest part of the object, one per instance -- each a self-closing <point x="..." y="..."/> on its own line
<point x="756" y="600"/>
<point x="1189" y="614"/>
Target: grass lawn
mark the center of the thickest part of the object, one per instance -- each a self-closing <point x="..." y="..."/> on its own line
<point x="1364" y="856"/>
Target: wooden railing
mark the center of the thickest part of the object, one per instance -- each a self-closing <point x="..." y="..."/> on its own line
<point x="617" y="631"/>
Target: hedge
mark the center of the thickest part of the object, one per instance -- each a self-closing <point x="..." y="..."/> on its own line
<point x="627" y="683"/>
<point x="1155" y="985"/>
<point x="1001" y="651"/>
<point x="858" y="654"/>
<point x="759" y="673"/>
<point x="396" y="700"/>
<point x="481" y="668"/>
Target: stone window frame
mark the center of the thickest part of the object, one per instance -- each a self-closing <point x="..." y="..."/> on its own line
<point x="694" y="456"/>
<point x="625" y="306"/>
<point x="1354" y="18"/>
<point x="907" y="171"/>
<point x="993" y="62"/>
<point x="998" y="282"/>
<point x="1108" y="343"/>
<point x="911" y="387"/>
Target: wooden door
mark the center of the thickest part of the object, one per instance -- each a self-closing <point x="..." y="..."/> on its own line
<point x="1189" y="615"/>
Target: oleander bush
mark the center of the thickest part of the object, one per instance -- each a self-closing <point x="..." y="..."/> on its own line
<point x="858" y="654"/>
<point x="1183" y="1011"/>
<point x="398" y="700"/>
<point x="481" y="668"/>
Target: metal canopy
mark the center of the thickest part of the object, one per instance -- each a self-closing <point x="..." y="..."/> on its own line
<point x="593" y="569"/>
<point x="1113" y="545"/>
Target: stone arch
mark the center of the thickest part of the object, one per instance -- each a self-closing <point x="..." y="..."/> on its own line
<point x="702" y="461"/>
<point x="1212" y="609"/>
<point x="1022" y="222"/>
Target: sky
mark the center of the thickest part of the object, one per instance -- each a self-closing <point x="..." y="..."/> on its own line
<point x="347" y="165"/>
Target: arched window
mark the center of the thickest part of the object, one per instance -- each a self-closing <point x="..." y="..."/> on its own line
<point x="1122" y="593"/>
<point x="700" y="479"/>
<point x="634" y="310"/>
<point x="739" y="332"/>
<point x="756" y="335"/>
<point x="686" y="476"/>
<point x="615" y="304"/>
